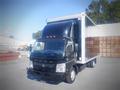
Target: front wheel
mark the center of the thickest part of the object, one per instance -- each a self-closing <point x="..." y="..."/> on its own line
<point x="70" y="77"/>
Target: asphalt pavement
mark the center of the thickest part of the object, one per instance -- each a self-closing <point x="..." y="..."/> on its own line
<point x="105" y="76"/>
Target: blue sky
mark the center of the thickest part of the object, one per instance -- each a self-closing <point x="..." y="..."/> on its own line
<point x="21" y="18"/>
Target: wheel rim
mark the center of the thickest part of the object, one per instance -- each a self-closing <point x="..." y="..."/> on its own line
<point x="72" y="75"/>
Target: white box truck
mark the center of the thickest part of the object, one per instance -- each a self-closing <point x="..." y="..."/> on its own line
<point x="61" y="51"/>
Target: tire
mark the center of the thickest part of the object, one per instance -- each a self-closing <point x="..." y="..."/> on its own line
<point x="91" y="64"/>
<point x="71" y="75"/>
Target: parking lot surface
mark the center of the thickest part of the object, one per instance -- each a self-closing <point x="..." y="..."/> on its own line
<point x="105" y="76"/>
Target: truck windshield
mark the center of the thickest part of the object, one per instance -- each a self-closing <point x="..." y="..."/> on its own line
<point x="54" y="45"/>
<point x="57" y="45"/>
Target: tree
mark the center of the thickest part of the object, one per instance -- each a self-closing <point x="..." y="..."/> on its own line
<point x="104" y="11"/>
<point x="114" y="11"/>
<point x="98" y="11"/>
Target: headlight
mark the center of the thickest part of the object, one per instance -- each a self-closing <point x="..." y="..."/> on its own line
<point x="61" y="67"/>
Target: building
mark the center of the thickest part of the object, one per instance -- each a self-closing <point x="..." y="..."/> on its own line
<point x="106" y="38"/>
<point x="8" y="44"/>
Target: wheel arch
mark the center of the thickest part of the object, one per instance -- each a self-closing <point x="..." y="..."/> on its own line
<point x="76" y="68"/>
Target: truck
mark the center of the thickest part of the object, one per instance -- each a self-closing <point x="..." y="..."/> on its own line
<point x="61" y="52"/>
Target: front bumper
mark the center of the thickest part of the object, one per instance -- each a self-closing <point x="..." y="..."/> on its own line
<point x="47" y="75"/>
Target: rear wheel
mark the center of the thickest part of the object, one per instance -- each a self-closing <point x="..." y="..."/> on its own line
<point x="70" y="77"/>
<point x="91" y="64"/>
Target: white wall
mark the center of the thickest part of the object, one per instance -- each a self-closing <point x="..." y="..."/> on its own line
<point x="103" y="30"/>
<point x="8" y="44"/>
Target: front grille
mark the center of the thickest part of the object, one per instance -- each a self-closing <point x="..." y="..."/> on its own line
<point x="45" y="61"/>
<point x="44" y="66"/>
